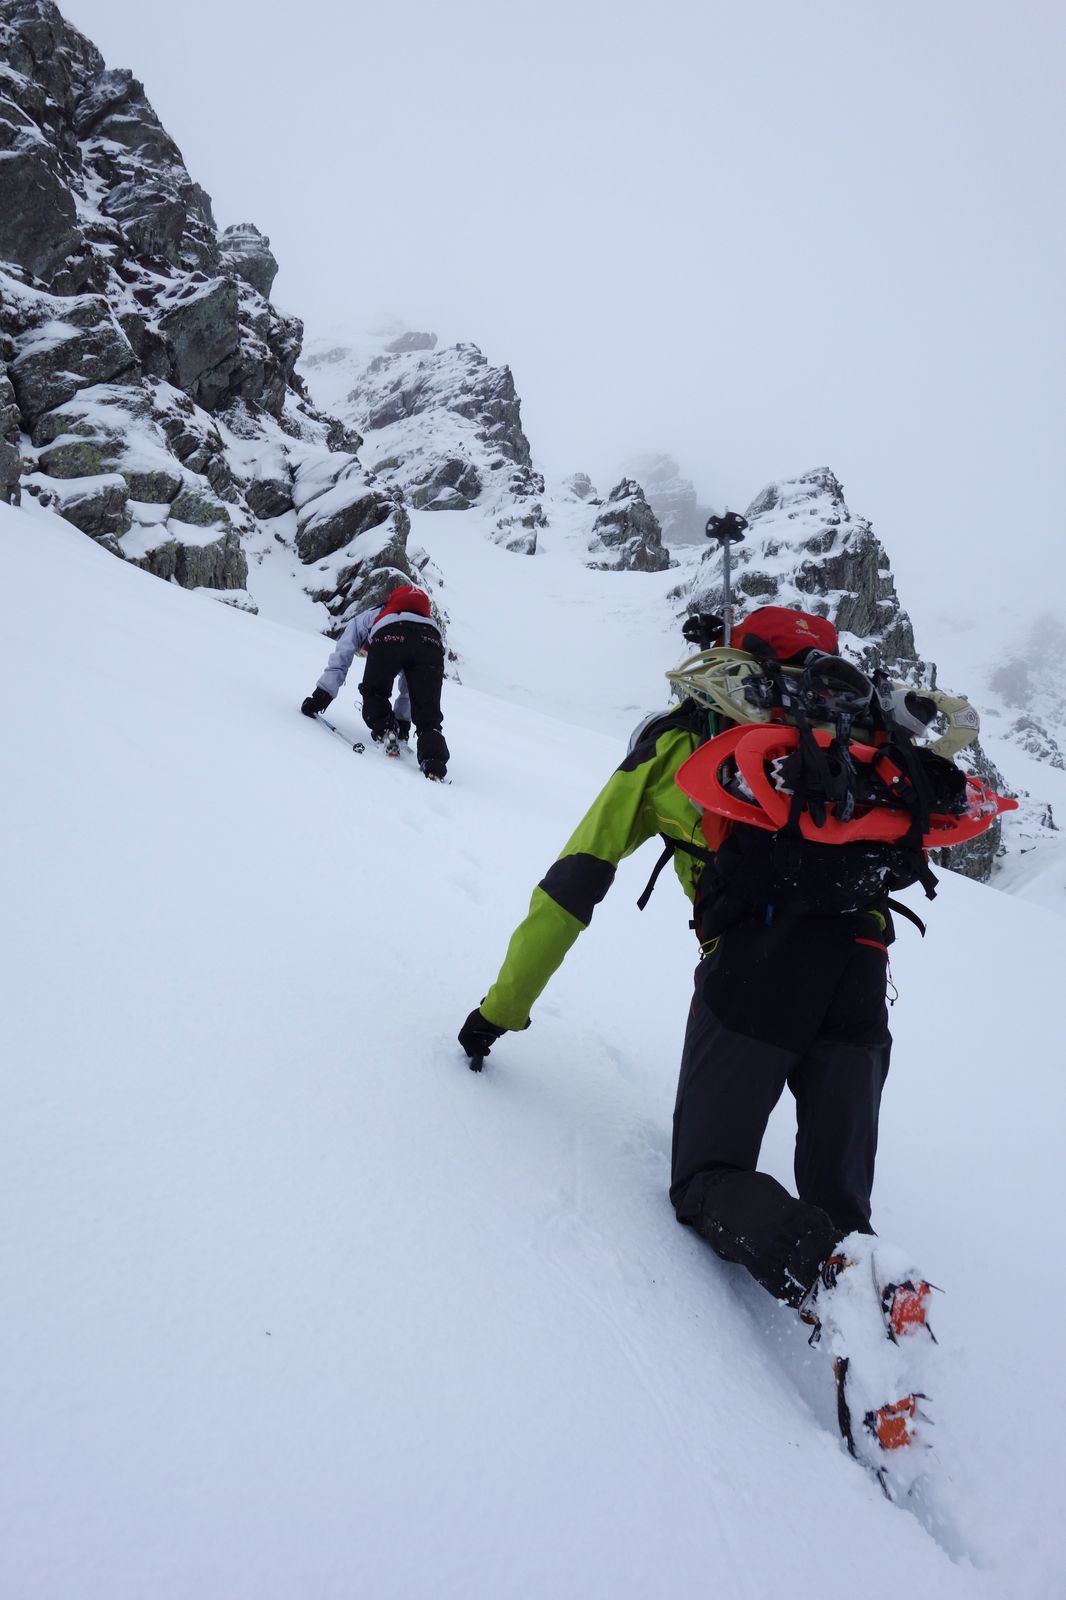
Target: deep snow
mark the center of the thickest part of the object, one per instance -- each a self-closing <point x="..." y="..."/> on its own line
<point x="297" y="1306"/>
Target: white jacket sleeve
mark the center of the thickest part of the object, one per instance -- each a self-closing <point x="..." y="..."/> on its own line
<point x="345" y="651"/>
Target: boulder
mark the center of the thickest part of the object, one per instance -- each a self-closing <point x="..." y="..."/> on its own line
<point x="99" y="505"/>
<point x="213" y="564"/>
<point x="269" y="497"/>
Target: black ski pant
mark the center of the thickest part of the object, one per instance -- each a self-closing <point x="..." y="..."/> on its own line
<point x="416" y="650"/>
<point x="797" y="1002"/>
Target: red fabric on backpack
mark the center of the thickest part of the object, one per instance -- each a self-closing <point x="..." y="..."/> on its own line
<point x="788" y="633"/>
<point x="405" y="598"/>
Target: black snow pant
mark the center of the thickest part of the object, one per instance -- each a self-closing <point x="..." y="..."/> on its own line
<point x="417" y="650"/>
<point x="801" y="1002"/>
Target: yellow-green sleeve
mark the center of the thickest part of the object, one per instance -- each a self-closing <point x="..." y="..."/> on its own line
<point x="639" y="801"/>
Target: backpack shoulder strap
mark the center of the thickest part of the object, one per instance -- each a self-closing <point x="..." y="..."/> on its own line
<point x="671" y="845"/>
<point x="688" y="717"/>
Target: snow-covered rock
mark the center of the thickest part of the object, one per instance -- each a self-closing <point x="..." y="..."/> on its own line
<point x="626" y="535"/>
<point x="142" y="365"/>
<point x="804" y="548"/>
<point x="442" y="425"/>
<point x="246" y="252"/>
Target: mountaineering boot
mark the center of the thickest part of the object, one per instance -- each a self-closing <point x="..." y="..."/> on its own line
<point x="903" y="1298"/>
<point x="388" y="740"/>
<point x="869" y="1306"/>
<point x="433" y="770"/>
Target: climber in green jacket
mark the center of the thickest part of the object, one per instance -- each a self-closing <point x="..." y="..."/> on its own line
<point x="782" y="998"/>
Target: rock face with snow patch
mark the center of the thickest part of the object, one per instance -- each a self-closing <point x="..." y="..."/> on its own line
<point x="142" y="366"/>
<point x="246" y="252"/>
<point x="626" y="535"/>
<point x="804" y="548"/>
<point x="443" y="425"/>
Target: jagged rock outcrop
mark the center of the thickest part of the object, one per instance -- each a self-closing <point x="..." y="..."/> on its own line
<point x="147" y="189"/>
<point x="404" y="343"/>
<point x="626" y="534"/>
<point x="581" y="486"/>
<point x="517" y="531"/>
<point x="139" y="350"/>
<point x="246" y="253"/>
<point x="673" y="498"/>
<point x="804" y="548"/>
<point x="441" y="425"/>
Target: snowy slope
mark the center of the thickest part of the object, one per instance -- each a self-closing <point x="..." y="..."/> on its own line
<point x="297" y="1306"/>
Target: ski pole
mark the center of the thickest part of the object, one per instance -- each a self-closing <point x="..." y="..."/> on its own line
<point x="357" y="747"/>
<point x="727" y="529"/>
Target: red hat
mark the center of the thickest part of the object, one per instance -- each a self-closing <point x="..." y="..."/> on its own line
<point x="406" y="598"/>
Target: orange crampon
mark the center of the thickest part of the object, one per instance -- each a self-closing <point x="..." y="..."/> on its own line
<point x="905" y="1305"/>
<point x="892" y="1424"/>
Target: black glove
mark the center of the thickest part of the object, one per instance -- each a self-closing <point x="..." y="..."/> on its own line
<point x="316" y="702"/>
<point x="477" y="1037"/>
<point x="703" y="628"/>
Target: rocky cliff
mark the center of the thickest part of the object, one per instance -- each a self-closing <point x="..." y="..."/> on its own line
<point x="147" y="383"/>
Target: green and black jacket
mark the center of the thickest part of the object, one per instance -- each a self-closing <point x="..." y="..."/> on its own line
<point x="640" y="801"/>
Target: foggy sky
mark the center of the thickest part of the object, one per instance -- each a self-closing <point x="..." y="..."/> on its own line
<point x="761" y="236"/>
